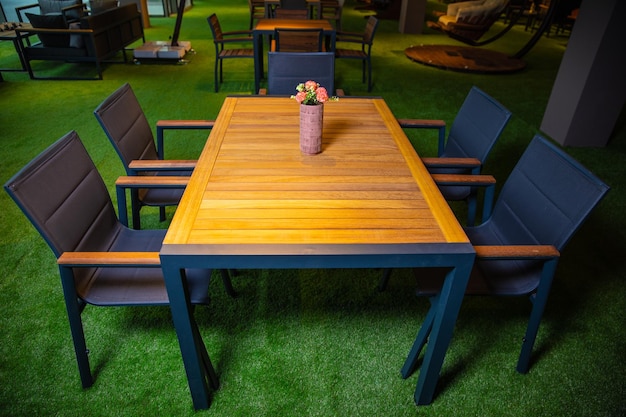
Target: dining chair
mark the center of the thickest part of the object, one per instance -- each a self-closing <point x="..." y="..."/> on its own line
<point x="477" y="126"/>
<point x="332" y="10"/>
<point x="101" y="261"/>
<point x="280" y="13"/>
<point x="292" y="9"/>
<point x="257" y="11"/>
<point x="544" y="201"/>
<point x="285" y="70"/>
<point x="221" y="39"/>
<point x="298" y="40"/>
<point x="128" y="130"/>
<point x="365" y="40"/>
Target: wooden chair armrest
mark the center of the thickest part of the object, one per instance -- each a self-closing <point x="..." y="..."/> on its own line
<point x="262" y="91"/>
<point x="422" y="123"/>
<point x="451" y="162"/>
<point x="149" y="181"/>
<point x="111" y="259"/>
<point x="185" y="124"/>
<point x="162" y="165"/>
<point x="237" y="32"/>
<point x="517" y="252"/>
<point x="464" y="179"/>
<point x="427" y="124"/>
<point x="340" y="92"/>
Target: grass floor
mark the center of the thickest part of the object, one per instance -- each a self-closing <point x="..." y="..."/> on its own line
<point x="307" y="342"/>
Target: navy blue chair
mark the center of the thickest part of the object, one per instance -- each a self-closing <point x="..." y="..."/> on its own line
<point x="477" y="126"/>
<point x="285" y="70"/>
<point x="127" y="127"/>
<point x="101" y="261"/>
<point x="546" y="198"/>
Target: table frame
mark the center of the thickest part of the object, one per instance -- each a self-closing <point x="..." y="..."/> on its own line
<point x="455" y="253"/>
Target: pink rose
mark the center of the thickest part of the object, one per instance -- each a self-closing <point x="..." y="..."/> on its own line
<point x="322" y="95"/>
<point x="300" y="97"/>
<point x="311" y="85"/>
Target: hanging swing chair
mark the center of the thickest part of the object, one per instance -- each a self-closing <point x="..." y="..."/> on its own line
<point x="468" y="22"/>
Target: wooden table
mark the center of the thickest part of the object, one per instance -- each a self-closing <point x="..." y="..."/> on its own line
<point x="267" y="26"/>
<point x="367" y="201"/>
<point x="13" y="36"/>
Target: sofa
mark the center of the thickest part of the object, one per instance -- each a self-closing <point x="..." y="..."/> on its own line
<point x="469" y="20"/>
<point x="96" y="39"/>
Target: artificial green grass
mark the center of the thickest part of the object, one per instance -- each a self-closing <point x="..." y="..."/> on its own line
<point x="307" y="342"/>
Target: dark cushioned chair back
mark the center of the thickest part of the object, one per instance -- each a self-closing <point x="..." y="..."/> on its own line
<point x="543" y="202"/>
<point x="478" y="124"/>
<point x="126" y="126"/>
<point x="546" y="198"/>
<point x="288" y="69"/>
<point x="64" y="197"/>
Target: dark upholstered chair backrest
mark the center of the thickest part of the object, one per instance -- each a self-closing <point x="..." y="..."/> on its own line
<point x="546" y="198"/>
<point x="478" y="124"/>
<point x="64" y="197"/>
<point x="288" y="69"/>
<point x="126" y="126"/>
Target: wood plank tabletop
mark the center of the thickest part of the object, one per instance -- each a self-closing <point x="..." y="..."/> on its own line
<point x="268" y="25"/>
<point x="253" y="186"/>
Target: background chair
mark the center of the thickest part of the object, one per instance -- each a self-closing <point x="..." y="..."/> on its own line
<point x="126" y="126"/>
<point x="292" y="9"/>
<point x="546" y="198"/>
<point x="101" y="261"/>
<point x="365" y="40"/>
<point x="257" y="10"/>
<point x="221" y="39"/>
<point x="332" y="10"/>
<point x="298" y="40"/>
<point x="285" y="70"/>
<point x="473" y="133"/>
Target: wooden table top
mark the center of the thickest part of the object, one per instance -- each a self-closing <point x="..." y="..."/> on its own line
<point x="267" y="25"/>
<point x="253" y="186"/>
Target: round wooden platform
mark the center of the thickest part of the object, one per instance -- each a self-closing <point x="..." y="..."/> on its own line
<point x="464" y="58"/>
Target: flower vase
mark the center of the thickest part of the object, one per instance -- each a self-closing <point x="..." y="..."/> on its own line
<point x="311" y="125"/>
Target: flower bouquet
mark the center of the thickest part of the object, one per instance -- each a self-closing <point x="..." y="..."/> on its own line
<point x="310" y="95"/>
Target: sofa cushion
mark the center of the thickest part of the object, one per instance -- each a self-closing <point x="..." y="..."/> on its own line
<point x="99" y="6"/>
<point x="56" y="6"/>
<point x="50" y="22"/>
